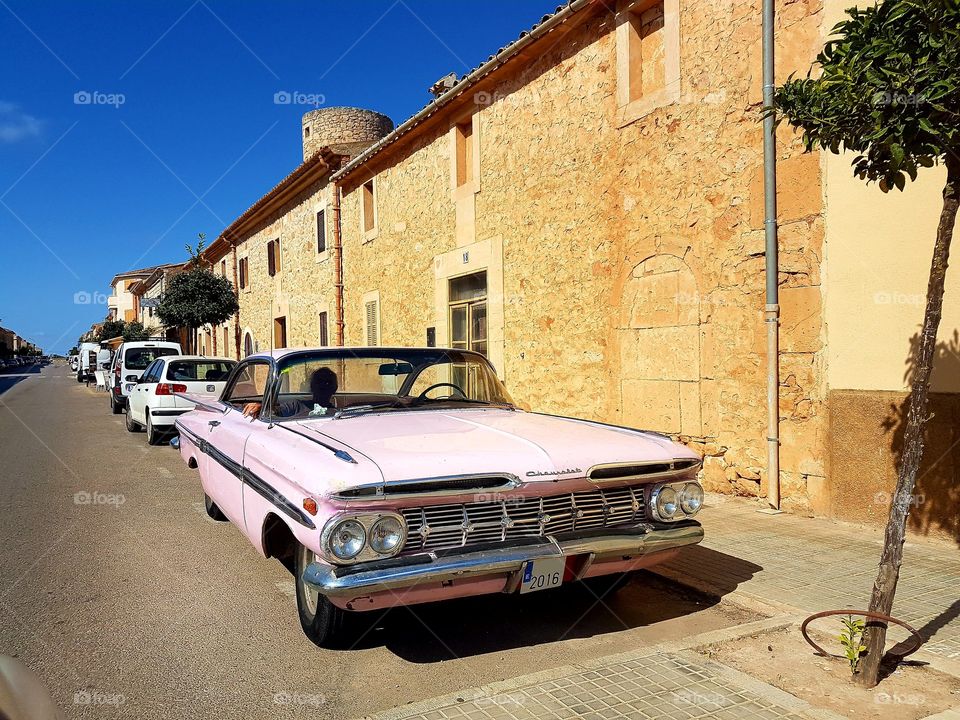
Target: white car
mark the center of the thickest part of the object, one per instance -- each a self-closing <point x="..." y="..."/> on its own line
<point x="153" y="402"/>
<point x="131" y="359"/>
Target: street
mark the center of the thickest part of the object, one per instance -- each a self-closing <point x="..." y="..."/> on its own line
<point x="130" y="602"/>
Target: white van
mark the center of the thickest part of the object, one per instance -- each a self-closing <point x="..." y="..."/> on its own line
<point x="87" y="362"/>
<point x="131" y="359"/>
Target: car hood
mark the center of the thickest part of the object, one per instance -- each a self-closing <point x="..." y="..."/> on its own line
<point x="531" y="446"/>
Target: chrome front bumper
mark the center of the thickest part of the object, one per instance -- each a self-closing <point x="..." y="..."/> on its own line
<point x="430" y="568"/>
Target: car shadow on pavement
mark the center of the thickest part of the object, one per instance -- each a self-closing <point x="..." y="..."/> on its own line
<point x="452" y="629"/>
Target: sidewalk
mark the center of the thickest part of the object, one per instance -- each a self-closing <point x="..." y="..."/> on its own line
<point x="796" y="563"/>
<point x="784" y="566"/>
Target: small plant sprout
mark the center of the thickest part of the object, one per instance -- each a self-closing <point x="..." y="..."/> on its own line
<point x="852" y="640"/>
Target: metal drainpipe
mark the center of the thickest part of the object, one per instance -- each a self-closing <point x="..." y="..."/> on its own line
<point x="772" y="309"/>
<point x="236" y="289"/>
<point x="337" y="262"/>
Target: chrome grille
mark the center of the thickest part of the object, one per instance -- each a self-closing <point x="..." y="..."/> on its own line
<point x="440" y="527"/>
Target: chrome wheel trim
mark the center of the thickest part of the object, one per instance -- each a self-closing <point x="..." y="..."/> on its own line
<point x="311" y="597"/>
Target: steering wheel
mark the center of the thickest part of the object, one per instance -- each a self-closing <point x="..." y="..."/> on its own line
<point x="423" y="396"/>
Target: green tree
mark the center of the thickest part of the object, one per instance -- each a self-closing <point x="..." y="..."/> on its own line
<point x="136" y="331"/>
<point x="195" y="298"/>
<point x="110" y="329"/>
<point x="889" y="90"/>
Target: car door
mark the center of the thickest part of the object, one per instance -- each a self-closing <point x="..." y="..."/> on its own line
<point x="227" y="434"/>
<point x="139" y="395"/>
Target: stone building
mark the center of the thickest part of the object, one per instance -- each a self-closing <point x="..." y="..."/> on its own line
<point x="586" y="208"/>
<point x="282" y="253"/>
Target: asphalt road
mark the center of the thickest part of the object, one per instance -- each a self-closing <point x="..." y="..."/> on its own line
<point x="129" y="602"/>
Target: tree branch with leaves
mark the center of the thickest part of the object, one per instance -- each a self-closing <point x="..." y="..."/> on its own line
<point x="889" y="90"/>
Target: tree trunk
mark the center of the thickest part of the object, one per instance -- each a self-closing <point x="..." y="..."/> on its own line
<point x="889" y="573"/>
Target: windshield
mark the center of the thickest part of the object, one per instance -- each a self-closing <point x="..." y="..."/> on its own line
<point x="140" y="358"/>
<point x="346" y="382"/>
<point x="209" y="370"/>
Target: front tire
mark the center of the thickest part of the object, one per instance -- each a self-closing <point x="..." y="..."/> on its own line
<point x="322" y="621"/>
<point x="115" y="406"/>
<point x="131" y="425"/>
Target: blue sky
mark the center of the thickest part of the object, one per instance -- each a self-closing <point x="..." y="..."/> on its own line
<point x="128" y="127"/>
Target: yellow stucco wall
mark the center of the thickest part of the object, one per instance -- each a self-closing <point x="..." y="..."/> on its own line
<point x="878" y="254"/>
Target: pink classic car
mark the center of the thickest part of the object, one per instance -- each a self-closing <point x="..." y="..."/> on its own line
<point x="394" y="476"/>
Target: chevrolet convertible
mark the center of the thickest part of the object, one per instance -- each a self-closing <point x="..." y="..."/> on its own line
<point x="394" y="476"/>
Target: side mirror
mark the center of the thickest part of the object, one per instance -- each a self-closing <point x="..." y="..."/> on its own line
<point x="133" y="378"/>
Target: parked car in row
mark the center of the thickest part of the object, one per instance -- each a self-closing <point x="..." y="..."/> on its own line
<point x="395" y="476"/>
<point x="129" y="362"/>
<point x="87" y="361"/>
<point x="157" y="399"/>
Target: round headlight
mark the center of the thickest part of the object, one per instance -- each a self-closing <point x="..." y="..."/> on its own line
<point x="666" y="502"/>
<point x="386" y="535"/>
<point x="347" y="539"/>
<point x="691" y="498"/>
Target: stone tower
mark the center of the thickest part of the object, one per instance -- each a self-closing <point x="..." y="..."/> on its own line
<point x="345" y="130"/>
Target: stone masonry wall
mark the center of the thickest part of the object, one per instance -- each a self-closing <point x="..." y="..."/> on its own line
<point x="633" y="256"/>
<point x="345" y="130"/>
<point x="303" y="288"/>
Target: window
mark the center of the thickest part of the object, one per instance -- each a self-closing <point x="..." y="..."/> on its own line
<point x="321" y="231"/>
<point x="468" y="312"/>
<point x="152" y="373"/>
<point x="369" y="207"/>
<point x="223" y="268"/>
<point x="465" y="150"/>
<point x="249" y="383"/>
<point x="140" y="358"/>
<point x="324" y="340"/>
<point x="226" y="341"/>
<point x="648" y="56"/>
<point x="273" y="257"/>
<point x="646" y="49"/>
<point x="372" y="319"/>
<point x="190" y="370"/>
<point x="243" y="273"/>
<point x="306" y="131"/>
<point x="280" y="332"/>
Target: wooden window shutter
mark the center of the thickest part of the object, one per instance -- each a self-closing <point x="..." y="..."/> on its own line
<point x="271" y="259"/>
<point x="373" y="320"/>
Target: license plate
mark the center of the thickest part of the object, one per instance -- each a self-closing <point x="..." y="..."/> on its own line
<point x="130" y="387"/>
<point x="542" y="574"/>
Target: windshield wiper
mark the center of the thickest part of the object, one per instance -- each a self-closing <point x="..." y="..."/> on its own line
<point x="469" y="401"/>
<point x="360" y="409"/>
